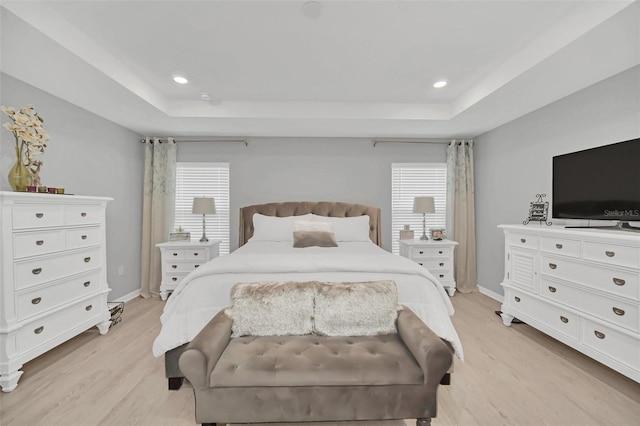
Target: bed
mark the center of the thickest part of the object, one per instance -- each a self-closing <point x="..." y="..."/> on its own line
<point x="266" y="253"/>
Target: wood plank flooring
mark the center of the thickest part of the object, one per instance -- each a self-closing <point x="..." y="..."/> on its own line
<point x="511" y="376"/>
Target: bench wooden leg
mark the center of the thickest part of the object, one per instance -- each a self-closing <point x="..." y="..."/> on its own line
<point x="175" y="383"/>
<point x="424" y="421"/>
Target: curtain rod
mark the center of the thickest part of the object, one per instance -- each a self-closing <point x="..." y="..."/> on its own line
<point x="244" y="141"/>
<point x="377" y="141"/>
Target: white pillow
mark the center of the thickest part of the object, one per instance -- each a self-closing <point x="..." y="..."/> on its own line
<point x="308" y="225"/>
<point x="354" y="228"/>
<point x="271" y="228"/>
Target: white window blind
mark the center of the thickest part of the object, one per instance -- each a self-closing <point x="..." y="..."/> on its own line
<point x="203" y="180"/>
<point x="411" y="180"/>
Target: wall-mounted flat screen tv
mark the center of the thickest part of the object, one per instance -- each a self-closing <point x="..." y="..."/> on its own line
<point x="600" y="183"/>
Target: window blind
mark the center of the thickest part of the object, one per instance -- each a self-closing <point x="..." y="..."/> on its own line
<point x="410" y="180"/>
<point x="203" y="180"/>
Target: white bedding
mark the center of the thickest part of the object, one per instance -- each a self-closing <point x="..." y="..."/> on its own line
<point x="205" y="291"/>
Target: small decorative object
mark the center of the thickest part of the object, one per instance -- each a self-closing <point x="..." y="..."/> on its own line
<point x="423" y="205"/>
<point x="180" y="235"/>
<point x="59" y="190"/>
<point x="538" y="211"/>
<point x="31" y="188"/>
<point x="115" y="309"/>
<point x="203" y="206"/>
<point x="31" y="141"/>
<point x="42" y="189"/>
<point x="406" y="233"/>
<point x="437" y="234"/>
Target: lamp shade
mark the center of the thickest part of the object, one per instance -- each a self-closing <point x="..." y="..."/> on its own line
<point x="203" y="205"/>
<point x="423" y="205"/>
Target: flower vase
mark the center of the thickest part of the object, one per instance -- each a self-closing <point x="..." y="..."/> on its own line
<point x="19" y="175"/>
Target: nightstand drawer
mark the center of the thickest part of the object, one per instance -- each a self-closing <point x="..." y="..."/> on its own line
<point x="443" y="275"/>
<point x="422" y="252"/>
<point x="436" y="264"/>
<point x="182" y="266"/>
<point x="174" y="279"/>
<point x="180" y="254"/>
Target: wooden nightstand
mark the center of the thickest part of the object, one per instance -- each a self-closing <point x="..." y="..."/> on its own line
<point x="181" y="257"/>
<point x="436" y="256"/>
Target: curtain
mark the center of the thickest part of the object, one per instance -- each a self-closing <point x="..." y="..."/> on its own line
<point x="461" y="213"/>
<point x="157" y="208"/>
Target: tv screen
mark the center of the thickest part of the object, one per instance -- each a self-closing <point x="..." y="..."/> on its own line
<point x="599" y="183"/>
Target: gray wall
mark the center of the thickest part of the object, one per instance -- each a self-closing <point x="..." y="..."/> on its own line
<point x="87" y="155"/>
<point x="293" y="169"/>
<point x="513" y="162"/>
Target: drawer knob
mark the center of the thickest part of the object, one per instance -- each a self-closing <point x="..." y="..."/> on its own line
<point x="36" y="271"/>
<point x="564" y="319"/>
<point x="618" y="281"/>
<point x="598" y="334"/>
<point x="552" y="289"/>
<point x="440" y="252"/>
<point x="441" y="264"/>
<point x="175" y="254"/>
<point x="88" y="307"/>
<point x="83" y="214"/>
<point x="553" y="266"/>
<point x="610" y="253"/>
<point x="174" y="266"/>
<point x="87" y="283"/>
<point x="38" y="330"/>
<point x="523" y="240"/>
<point x="39" y="299"/>
<point x="39" y="215"/>
<point x="421" y="252"/>
<point x="618" y="311"/>
<point x="558" y="246"/>
<point x="84" y="237"/>
<point x="87" y="259"/>
<point x="39" y="242"/>
<point x="174" y="278"/>
<point x="195" y="266"/>
<point x="195" y="254"/>
<point x="441" y="275"/>
<point x="420" y="263"/>
<point x="517" y="299"/>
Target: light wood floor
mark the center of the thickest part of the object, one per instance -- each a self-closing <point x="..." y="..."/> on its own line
<point x="511" y="376"/>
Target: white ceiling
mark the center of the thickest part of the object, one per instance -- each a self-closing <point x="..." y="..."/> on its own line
<point x="275" y="68"/>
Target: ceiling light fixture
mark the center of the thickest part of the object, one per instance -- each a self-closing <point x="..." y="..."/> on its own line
<point x="180" y="79"/>
<point x="439" y="84"/>
<point x="205" y="97"/>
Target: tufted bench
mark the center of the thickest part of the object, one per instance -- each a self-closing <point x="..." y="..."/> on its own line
<point x="315" y="378"/>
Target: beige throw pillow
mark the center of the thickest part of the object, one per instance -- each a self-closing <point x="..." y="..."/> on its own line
<point x="303" y="239"/>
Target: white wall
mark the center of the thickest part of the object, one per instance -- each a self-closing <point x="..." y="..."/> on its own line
<point x="513" y="162"/>
<point x="87" y="155"/>
<point x="293" y="169"/>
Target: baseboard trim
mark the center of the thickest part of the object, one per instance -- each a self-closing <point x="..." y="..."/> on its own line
<point x="129" y="296"/>
<point x="490" y="293"/>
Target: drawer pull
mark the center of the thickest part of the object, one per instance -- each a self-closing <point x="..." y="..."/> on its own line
<point x="87" y="259"/>
<point x="558" y="246"/>
<point x="39" y="299"/>
<point x="618" y="281"/>
<point x="39" y="242"/>
<point x="39" y="329"/>
<point x="84" y="237"/>
<point x="421" y="252"/>
<point x="553" y="266"/>
<point x="174" y="266"/>
<point x="87" y="283"/>
<point x="564" y="319"/>
<point x="610" y="253"/>
<point x="88" y="308"/>
<point x="36" y="271"/>
<point x="83" y="214"/>
<point x="598" y="334"/>
<point x="441" y="275"/>
<point x="39" y="215"/>
<point x="195" y="266"/>
<point x="441" y="264"/>
<point x="618" y="311"/>
<point x="195" y="254"/>
<point x="420" y="263"/>
<point x="440" y="252"/>
<point x="522" y="240"/>
<point x="175" y="254"/>
<point x="174" y="278"/>
<point x="517" y="299"/>
<point x="552" y="289"/>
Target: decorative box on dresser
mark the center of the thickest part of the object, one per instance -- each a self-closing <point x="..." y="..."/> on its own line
<point x="580" y="286"/>
<point x="436" y="256"/>
<point x="181" y="257"/>
<point x="53" y="269"/>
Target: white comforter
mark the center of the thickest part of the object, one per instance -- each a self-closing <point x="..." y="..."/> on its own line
<point x="205" y="291"/>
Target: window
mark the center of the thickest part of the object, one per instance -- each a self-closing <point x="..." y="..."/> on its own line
<point x="411" y="180"/>
<point x="203" y="180"/>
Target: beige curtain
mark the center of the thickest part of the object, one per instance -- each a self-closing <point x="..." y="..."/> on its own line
<point x="157" y="208"/>
<point x="461" y="213"/>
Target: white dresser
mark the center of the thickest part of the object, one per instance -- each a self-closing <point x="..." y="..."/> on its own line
<point x="436" y="256"/>
<point x="181" y="257"/>
<point x="580" y="286"/>
<point x="53" y="267"/>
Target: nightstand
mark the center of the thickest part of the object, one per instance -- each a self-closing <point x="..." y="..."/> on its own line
<point x="181" y="257"/>
<point x="436" y="256"/>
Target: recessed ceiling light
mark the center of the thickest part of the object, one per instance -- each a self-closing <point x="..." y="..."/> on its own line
<point x="180" y="79"/>
<point x="439" y="84"/>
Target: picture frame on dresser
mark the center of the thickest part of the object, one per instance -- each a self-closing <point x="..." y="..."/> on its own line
<point x="54" y="275"/>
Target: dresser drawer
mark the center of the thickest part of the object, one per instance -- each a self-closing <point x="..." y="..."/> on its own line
<point x="553" y="317"/>
<point x="613" y="254"/>
<point x="523" y="240"/>
<point x="182" y="266"/>
<point x="624" y="314"/>
<point x="619" y="282"/>
<point x="82" y="237"/>
<point x="42" y="299"/>
<point x="612" y="343"/>
<point x="42" y="270"/>
<point x="27" y="244"/>
<point x="49" y="327"/>
<point x="422" y="252"/>
<point x="37" y="216"/>
<point x="82" y="214"/>
<point x="560" y="246"/>
<point x="436" y="264"/>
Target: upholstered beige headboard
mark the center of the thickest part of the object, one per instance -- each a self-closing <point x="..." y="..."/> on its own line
<point x="321" y="208"/>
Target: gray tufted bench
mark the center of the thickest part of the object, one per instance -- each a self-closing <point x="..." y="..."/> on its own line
<point x="315" y="378"/>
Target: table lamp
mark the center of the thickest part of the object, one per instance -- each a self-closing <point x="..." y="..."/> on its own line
<point x="423" y="205"/>
<point x="203" y="206"/>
